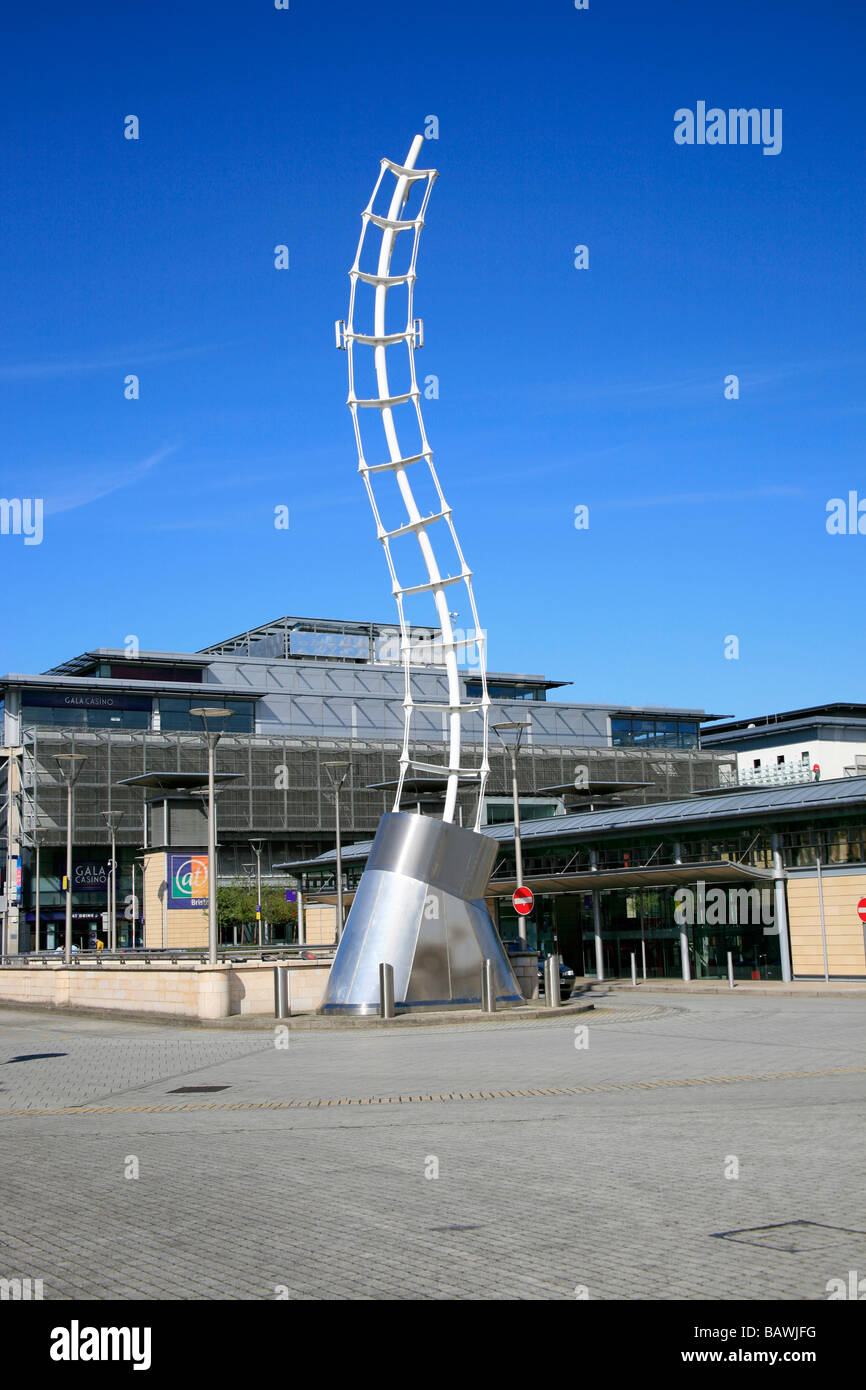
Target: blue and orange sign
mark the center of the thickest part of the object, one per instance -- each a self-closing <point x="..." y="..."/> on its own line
<point x="187" y="880"/>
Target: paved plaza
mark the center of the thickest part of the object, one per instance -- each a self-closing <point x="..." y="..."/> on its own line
<point x="707" y="1147"/>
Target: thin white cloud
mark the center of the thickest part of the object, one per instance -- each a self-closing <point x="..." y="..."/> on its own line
<point x="729" y="495"/>
<point x="91" y="487"/>
<point x="129" y="359"/>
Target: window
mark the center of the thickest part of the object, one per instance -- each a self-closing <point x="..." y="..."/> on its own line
<point x="86" y="710"/>
<point x="174" y="714"/>
<point x="499" y="813"/>
<point x="804" y="756"/>
<point x="498" y="690"/>
<point x="756" y="762"/>
<point x="780" y="758"/>
<point x="654" y="733"/>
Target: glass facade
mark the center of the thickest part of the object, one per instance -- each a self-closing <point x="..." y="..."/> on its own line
<point x="654" y="733"/>
<point x="175" y="715"/>
<point x="498" y="690"/>
<point x="502" y="813"/>
<point x="57" y="709"/>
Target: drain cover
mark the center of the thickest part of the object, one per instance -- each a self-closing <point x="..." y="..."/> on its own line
<point x="195" y="1090"/>
<point x="793" y="1237"/>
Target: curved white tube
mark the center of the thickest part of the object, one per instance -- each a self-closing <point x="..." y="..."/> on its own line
<point x="391" y="227"/>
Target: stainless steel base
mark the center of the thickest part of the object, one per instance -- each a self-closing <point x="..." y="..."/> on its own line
<point x="420" y="908"/>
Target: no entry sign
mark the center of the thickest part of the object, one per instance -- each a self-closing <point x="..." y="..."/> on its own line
<point x="861" y="909"/>
<point x="523" y="901"/>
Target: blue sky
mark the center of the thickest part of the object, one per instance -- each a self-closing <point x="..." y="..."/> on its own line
<point x="558" y="387"/>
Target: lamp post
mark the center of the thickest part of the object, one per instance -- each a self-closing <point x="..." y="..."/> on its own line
<point x="70" y="765"/>
<point x="112" y="820"/>
<point x="517" y="725"/>
<point x="213" y="720"/>
<point x="333" y="770"/>
<point x="37" y="845"/>
<point x="256" y="847"/>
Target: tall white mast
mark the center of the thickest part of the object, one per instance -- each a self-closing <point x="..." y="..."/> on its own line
<point x="436" y="584"/>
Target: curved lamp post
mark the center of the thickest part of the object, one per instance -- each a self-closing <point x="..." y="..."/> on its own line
<point x="256" y="847"/>
<point x="112" y="820"/>
<point x="70" y="765"/>
<point x="333" y="770"/>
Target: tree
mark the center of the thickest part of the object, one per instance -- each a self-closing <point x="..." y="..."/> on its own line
<point x="236" y="906"/>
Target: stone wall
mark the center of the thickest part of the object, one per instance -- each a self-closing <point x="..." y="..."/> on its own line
<point x="183" y="990"/>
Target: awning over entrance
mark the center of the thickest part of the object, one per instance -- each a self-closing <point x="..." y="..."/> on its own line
<point x="661" y="876"/>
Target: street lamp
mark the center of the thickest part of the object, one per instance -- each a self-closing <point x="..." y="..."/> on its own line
<point x="37" y="840"/>
<point x="514" y="748"/>
<point x="112" y="820"/>
<point x="256" y="847"/>
<point x="70" y="765"/>
<point x="333" y="770"/>
<point x="213" y="721"/>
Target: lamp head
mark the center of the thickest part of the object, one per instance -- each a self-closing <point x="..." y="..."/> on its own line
<point x="70" y="765"/>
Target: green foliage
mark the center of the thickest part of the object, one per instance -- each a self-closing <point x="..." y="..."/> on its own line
<point x="236" y="905"/>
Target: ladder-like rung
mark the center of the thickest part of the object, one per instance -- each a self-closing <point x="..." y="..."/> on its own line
<point x="434" y="584"/>
<point x="386" y="280"/>
<point x="370" y="339"/>
<point x="383" y="402"/>
<point x="396" y="463"/>
<point x="393" y="224"/>
<point x="439" y="771"/>
<point x="412" y="174"/>
<point x="415" y="525"/>
<point x="447" y="709"/>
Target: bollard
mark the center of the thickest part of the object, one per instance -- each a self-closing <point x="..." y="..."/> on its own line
<point x="281" y="992"/>
<point x="633" y="970"/>
<point x="488" y="988"/>
<point x="386" y="990"/>
<point x="552" y="983"/>
<point x="731" y="969"/>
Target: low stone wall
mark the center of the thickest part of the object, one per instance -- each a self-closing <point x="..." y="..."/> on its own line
<point x="183" y="990"/>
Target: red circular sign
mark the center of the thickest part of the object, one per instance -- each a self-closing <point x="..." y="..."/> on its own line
<point x="861" y="909"/>
<point x="523" y="901"/>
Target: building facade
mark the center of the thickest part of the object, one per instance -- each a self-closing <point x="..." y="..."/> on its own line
<point x="302" y="692"/>
<point x="776" y="877"/>
<point x="802" y="745"/>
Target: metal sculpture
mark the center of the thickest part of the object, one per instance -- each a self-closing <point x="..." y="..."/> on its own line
<point x="419" y="906"/>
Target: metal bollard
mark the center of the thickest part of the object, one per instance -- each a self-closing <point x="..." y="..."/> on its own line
<point x="633" y="970"/>
<point x="281" y="992"/>
<point x="386" y="990"/>
<point x="731" y="969"/>
<point x="488" y="988"/>
<point x="552" y="982"/>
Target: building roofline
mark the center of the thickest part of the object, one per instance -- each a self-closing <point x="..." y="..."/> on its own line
<point x="74" y="663"/>
<point x="754" y="803"/>
<point x="841" y="711"/>
<point x="207" y="689"/>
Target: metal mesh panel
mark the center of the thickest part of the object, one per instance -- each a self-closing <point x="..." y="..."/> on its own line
<point x="300" y="810"/>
